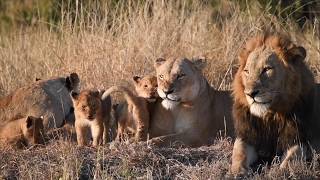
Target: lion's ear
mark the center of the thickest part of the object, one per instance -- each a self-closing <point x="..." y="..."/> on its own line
<point x="199" y="63"/>
<point x="159" y="62"/>
<point x="297" y="53"/>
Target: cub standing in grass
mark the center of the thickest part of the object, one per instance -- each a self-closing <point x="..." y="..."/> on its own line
<point x="92" y="111"/>
<point x="22" y="131"/>
<point x="133" y="116"/>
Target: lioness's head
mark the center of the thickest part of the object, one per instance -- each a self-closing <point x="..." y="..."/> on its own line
<point x="32" y="130"/>
<point x="179" y="80"/>
<point x="271" y="75"/>
<point x="87" y="103"/>
<point x="146" y="86"/>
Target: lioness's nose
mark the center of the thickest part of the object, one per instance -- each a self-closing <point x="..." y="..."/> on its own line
<point x="251" y="93"/>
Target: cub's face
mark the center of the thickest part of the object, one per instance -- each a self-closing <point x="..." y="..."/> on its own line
<point x="32" y="129"/>
<point x="266" y="80"/>
<point x="146" y="87"/>
<point x="87" y="104"/>
<point x="178" y="81"/>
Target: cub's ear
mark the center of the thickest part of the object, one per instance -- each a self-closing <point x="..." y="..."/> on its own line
<point x="199" y="62"/>
<point x="29" y="122"/>
<point x="101" y="91"/>
<point x="136" y="79"/>
<point x="115" y="106"/>
<point x="159" y="62"/>
<point x="74" y="95"/>
<point x="73" y="82"/>
<point x="297" y="53"/>
<point x="96" y="93"/>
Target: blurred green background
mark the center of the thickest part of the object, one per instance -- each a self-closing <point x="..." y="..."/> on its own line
<point x="50" y="13"/>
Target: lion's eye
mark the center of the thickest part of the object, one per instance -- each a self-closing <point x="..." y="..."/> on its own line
<point x="181" y="76"/>
<point x="145" y="86"/>
<point x="84" y="106"/>
<point x="267" y="69"/>
<point x="161" y="76"/>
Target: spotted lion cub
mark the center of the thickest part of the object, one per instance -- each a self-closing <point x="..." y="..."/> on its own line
<point x="22" y="131"/>
<point x="133" y="116"/>
<point x="92" y="111"/>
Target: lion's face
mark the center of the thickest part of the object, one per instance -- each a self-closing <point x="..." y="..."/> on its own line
<point x="146" y="87"/>
<point x="178" y="81"/>
<point x="269" y="77"/>
<point x="32" y="129"/>
<point x="87" y="103"/>
<point x="263" y="77"/>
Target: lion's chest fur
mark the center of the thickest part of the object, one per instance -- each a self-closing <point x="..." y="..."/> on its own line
<point x="271" y="134"/>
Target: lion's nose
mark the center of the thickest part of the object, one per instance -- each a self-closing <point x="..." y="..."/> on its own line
<point x="252" y="93"/>
<point x="169" y="91"/>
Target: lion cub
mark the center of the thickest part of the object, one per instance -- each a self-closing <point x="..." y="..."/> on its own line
<point x="92" y="111"/>
<point x="133" y="116"/>
<point x="22" y="131"/>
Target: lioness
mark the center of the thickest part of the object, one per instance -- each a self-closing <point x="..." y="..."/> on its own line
<point x="133" y="116"/>
<point x="273" y="103"/>
<point x="191" y="112"/>
<point x="48" y="98"/>
<point x="92" y="111"/>
<point x="22" y="131"/>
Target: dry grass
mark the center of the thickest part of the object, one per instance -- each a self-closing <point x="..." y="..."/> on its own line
<point x="105" y="51"/>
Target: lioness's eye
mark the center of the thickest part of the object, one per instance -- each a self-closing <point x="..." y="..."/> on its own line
<point x="246" y="71"/>
<point x="161" y="76"/>
<point x="145" y="86"/>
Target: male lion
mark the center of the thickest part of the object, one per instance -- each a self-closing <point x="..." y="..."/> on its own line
<point x="22" y="131"/>
<point x="48" y="98"/>
<point x="92" y="111"/>
<point x="273" y="102"/>
<point x="133" y="116"/>
<point x="191" y="112"/>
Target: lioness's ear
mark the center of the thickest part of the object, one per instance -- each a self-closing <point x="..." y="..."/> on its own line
<point x="159" y="62"/>
<point x="29" y="122"/>
<point x="73" y="82"/>
<point x="74" y="95"/>
<point x="199" y="63"/>
<point x="136" y="79"/>
<point x="297" y="53"/>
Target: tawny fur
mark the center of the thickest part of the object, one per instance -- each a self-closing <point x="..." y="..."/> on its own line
<point x="287" y="86"/>
<point x="92" y="112"/>
<point x="133" y="116"/>
<point x="21" y="132"/>
<point x="191" y="112"/>
<point x="48" y="98"/>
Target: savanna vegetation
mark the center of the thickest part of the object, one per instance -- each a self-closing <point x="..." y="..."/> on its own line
<point x="107" y="42"/>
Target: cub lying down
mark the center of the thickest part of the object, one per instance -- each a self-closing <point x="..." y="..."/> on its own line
<point x="22" y="131"/>
<point x="133" y="116"/>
